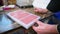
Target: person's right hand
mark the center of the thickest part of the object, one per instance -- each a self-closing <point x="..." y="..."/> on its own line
<point x="40" y="10"/>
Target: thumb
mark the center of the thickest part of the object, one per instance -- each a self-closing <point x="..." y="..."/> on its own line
<point x="35" y="28"/>
<point x="39" y="22"/>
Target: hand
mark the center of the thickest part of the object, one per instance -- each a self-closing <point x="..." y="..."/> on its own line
<point x="45" y="28"/>
<point x="40" y="10"/>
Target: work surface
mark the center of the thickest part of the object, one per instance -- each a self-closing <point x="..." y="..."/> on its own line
<point x="8" y="27"/>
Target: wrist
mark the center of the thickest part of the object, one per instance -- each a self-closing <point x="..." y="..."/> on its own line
<point x="53" y="29"/>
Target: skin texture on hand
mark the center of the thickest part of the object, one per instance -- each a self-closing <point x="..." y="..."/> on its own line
<point x="40" y="10"/>
<point x="43" y="28"/>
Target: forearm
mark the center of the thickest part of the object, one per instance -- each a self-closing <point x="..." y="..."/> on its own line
<point x="54" y="5"/>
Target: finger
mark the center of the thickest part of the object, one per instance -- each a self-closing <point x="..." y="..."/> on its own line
<point x="39" y="22"/>
<point x="34" y="28"/>
<point x="36" y="10"/>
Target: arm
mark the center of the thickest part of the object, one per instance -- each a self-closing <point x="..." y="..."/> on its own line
<point x="54" y="5"/>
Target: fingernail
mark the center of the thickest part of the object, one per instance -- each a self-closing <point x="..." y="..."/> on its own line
<point x="35" y="24"/>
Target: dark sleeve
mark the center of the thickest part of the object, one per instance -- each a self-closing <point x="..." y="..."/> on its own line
<point x="54" y="5"/>
<point x="58" y="27"/>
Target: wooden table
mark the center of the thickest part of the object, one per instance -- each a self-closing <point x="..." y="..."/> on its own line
<point x="13" y="27"/>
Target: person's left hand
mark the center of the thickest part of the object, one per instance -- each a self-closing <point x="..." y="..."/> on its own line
<point x="43" y="28"/>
